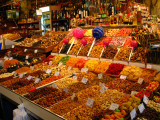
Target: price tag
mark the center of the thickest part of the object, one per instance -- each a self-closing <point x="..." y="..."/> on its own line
<point x="149" y="66"/>
<point x="37" y="80"/>
<point x="69" y="68"/>
<point x="44" y="70"/>
<point x="75" y="77"/>
<point x="145" y="99"/>
<point x="27" y="57"/>
<point x="134" y="92"/>
<point x="73" y="96"/>
<point x="21" y="75"/>
<point x="35" y="51"/>
<point x="65" y="90"/>
<point x="140" y="80"/>
<point x="133" y="114"/>
<point x="100" y="76"/>
<point x="90" y="102"/>
<point x="14" y="73"/>
<point x="101" y="84"/>
<point x="32" y="67"/>
<point x="6" y="58"/>
<point x="11" y="58"/>
<point x="123" y="77"/>
<point x="103" y="89"/>
<point x="49" y="71"/>
<point x="113" y="106"/>
<point x="25" y="50"/>
<point x="84" y="70"/>
<point x="54" y="86"/>
<point x="50" y="63"/>
<point x="84" y="80"/>
<point x="141" y="108"/>
<point x="29" y="78"/>
<point x="13" y="46"/>
<point x="60" y="64"/>
<point x="57" y="74"/>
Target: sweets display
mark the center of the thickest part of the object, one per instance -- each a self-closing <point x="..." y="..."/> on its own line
<point x="85" y="49"/>
<point x="109" y="53"/>
<point x="123" y="54"/>
<point x="102" y="67"/>
<point x="64" y="60"/>
<point x="23" y="70"/>
<point x="75" y="49"/>
<point x="96" y="51"/>
<point x="124" y="32"/>
<point x="91" y="64"/>
<point x="157" y="77"/>
<point x="154" y="105"/>
<point x="81" y="62"/>
<point x="88" y="33"/>
<point x="139" y="55"/>
<point x="132" y="72"/>
<point x="117" y="41"/>
<point x="111" y="32"/>
<point x="11" y="36"/>
<point x="8" y="63"/>
<point x="27" y="42"/>
<point x="128" y="42"/>
<point x="72" y="61"/>
<point x="5" y="75"/>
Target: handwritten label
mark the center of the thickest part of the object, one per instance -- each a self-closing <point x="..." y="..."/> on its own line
<point x="13" y="46"/>
<point x="145" y="99"/>
<point x="25" y="50"/>
<point x="75" y="77"/>
<point x="140" y="80"/>
<point x="29" y="77"/>
<point x="103" y="89"/>
<point x="69" y="68"/>
<point x="57" y="74"/>
<point x="60" y="64"/>
<point x="134" y="92"/>
<point x="100" y="76"/>
<point x="27" y="57"/>
<point x="65" y="90"/>
<point x="54" y="86"/>
<point x="84" y="70"/>
<point x="35" y="51"/>
<point x="49" y="71"/>
<point x="114" y="106"/>
<point x="141" y="108"/>
<point x="84" y="80"/>
<point x="21" y="75"/>
<point x="123" y="77"/>
<point x="133" y="114"/>
<point x="90" y="102"/>
<point x="37" y="80"/>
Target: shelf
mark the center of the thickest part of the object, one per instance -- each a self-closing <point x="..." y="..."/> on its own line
<point x="28" y="23"/>
<point x="60" y="19"/>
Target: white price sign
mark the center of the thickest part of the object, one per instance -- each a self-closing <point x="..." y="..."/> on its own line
<point x="141" y="108"/>
<point x="145" y="99"/>
<point x="123" y="77"/>
<point x="11" y="58"/>
<point x="133" y="114"/>
<point x="100" y="76"/>
<point x="84" y="70"/>
<point x="57" y="74"/>
<point x="49" y="71"/>
<point x="90" y="102"/>
<point x="73" y="96"/>
<point x="50" y="63"/>
<point x="140" y="80"/>
<point x="37" y="80"/>
<point x="69" y="68"/>
<point x="103" y="89"/>
<point x="114" y="106"/>
<point x="149" y="66"/>
<point x="35" y="51"/>
<point x="60" y="64"/>
<point x="75" y="77"/>
<point x="32" y="67"/>
<point x="84" y="80"/>
<point x="21" y="75"/>
<point x="54" y="86"/>
<point x="29" y="77"/>
<point x="134" y="92"/>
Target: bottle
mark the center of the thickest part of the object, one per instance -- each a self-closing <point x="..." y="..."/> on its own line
<point x="110" y="8"/>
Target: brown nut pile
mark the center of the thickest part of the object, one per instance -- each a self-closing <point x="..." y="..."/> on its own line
<point x="75" y="49"/>
<point x="90" y="76"/>
<point x="109" y="53"/>
<point x="84" y="51"/>
<point x="57" y="48"/>
<point x="123" y="54"/>
<point x="52" y="98"/>
<point x="139" y="55"/>
<point x="96" y="51"/>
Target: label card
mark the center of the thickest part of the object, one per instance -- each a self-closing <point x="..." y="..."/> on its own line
<point x="103" y="89"/>
<point x="60" y="64"/>
<point x="90" y="102"/>
<point x="75" y="77"/>
<point x="6" y="58"/>
<point x="25" y="50"/>
<point x="114" y="106"/>
<point x="11" y="58"/>
<point x="140" y="80"/>
<point x="49" y="71"/>
<point x="145" y="99"/>
<point x="149" y="66"/>
<point x="84" y="80"/>
<point x="141" y="108"/>
<point x="100" y="76"/>
<point x="134" y="92"/>
<point x="133" y="114"/>
<point x="35" y="51"/>
<point x="54" y="86"/>
<point x="57" y="74"/>
<point x="29" y="78"/>
<point x="65" y="90"/>
<point x="101" y="84"/>
<point x="32" y="67"/>
<point x="13" y="46"/>
<point x="37" y="80"/>
<point x="27" y="57"/>
<point x="123" y="77"/>
<point x="84" y="70"/>
<point x="14" y="73"/>
<point x="50" y="63"/>
<point x="69" y="68"/>
<point x="21" y="75"/>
